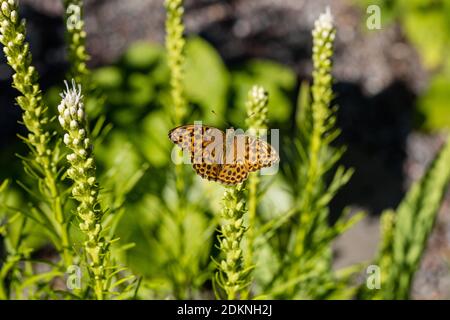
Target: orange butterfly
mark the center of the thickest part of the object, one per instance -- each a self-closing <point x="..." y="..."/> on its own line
<point x="221" y="157"/>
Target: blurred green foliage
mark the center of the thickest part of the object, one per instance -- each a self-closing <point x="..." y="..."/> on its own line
<point x="426" y="24"/>
<point x="405" y="232"/>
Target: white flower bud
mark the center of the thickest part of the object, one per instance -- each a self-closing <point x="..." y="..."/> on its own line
<point x="20" y="37"/>
<point x="82" y="133"/>
<point x="80" y="114"/>
<point x="71" y="172"/>
<point x="61" y="121"/>
<point x="91" y="181"/>
<point x="66" y="114"/>
<point x="89" y="162"/>
<point x="76" y="141"/>
<point x="5" y="9"/>
<point x="71" y="157"/>
<point x="66" y="139"/>
<point x="83" y="152"/>
<point x="73" y="111"/>
<point x="325" y="20"/>
<point x="14" y="16"/>
<point x="61" y="107"/>
<point x="5" y="24"/>
<point x="73" y="124"/>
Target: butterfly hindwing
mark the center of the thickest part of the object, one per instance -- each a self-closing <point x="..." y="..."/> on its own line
<point x="231" y="174"/>
<point x="207" y="171"/>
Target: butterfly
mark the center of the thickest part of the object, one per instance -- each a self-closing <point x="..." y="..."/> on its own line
<point x="225" y="158"/>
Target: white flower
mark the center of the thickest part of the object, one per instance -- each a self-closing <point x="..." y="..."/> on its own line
<point x="14" y="16"/>
<point x="66" y="138"/>
<point x="324" y="22"/>
<point x="5" y="9"/>
<point x="71" y="157"/>
<point x="66" y="114"/>
<point x="80" y="113"/>
<point x="73" y="124"/>
<point x="61" y="121"/>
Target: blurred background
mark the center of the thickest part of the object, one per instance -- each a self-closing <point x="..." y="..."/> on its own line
<point x="392" y="88"/>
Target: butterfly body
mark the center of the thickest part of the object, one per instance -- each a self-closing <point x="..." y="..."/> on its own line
<point x="225" y="158"/>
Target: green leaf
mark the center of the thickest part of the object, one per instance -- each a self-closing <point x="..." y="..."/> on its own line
<point x="434" y="105"/>
<point x="414" y="221"/>
<point x="108" y="77"/>
<point x="277" y="79"/>
<point x="142" y="55"/>
<point x="206" y="78"/>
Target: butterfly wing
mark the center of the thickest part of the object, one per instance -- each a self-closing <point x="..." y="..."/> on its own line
<point x="214" y="159"/>
<point x="203" y="143"/>
<point x="231" y="174"/>
<point x="259" y="154"/>
<point x="205" y="147"/>
<point x="207" y="171"/>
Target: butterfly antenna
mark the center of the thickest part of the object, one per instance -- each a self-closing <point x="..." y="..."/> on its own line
<point x="222" y="119"/>
<point x="251" y="115"/>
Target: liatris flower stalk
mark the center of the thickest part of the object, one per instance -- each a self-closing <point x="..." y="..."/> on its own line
<point x="257" y="111"/>
<point x="232" y="275"/>
<point x="76" y="39"/>
<point x="18" y="56"/>
<point x="43" y="163"/>
<point x="85" y="189"/>
<point x="322" y="94"/>
<point x="322" y="119"/>
<point x="175" y="45"/>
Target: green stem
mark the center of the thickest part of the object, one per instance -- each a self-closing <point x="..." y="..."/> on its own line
<point x="62" y="225"/>
<point x="252" y="184"/>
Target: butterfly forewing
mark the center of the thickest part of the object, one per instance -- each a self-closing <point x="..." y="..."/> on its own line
<point x="259" y="154"/>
